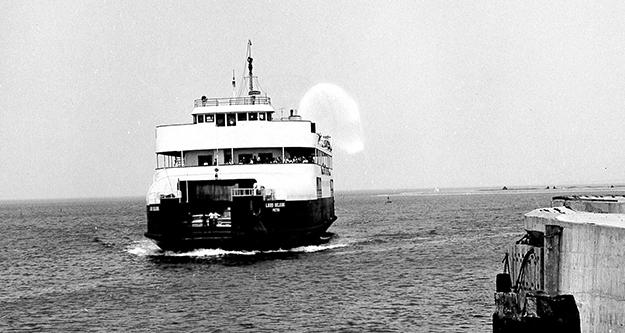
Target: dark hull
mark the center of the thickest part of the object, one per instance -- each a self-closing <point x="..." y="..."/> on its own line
<point x="254" y="224"/>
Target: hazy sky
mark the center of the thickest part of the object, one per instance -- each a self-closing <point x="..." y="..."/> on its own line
<point x="457" y="93"/>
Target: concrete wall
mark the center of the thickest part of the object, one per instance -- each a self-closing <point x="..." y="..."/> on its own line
<point x="592" y="263"/>
<point x="614" y="204"/>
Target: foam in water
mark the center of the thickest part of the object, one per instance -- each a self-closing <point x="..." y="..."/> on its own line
<point x="314" y="248"/>
<point x="147" y="248"/>
<point x="143" y="248"/>
<point x="336" y="113"/>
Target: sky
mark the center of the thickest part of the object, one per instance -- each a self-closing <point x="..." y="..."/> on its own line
<point x="450" y="93"/>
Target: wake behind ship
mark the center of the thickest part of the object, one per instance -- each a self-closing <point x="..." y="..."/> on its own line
<point x="240" y="177"/>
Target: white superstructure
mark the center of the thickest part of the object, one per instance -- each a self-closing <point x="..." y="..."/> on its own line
<point x="239" y="138"/>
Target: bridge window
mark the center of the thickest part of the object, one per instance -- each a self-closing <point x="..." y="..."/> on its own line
<point x="241" y="116"/>
<point x="220" y="119"/>
<point x="200" y="118"/>
<point x="210" y="118"/>
<point x="268" y="116"/>
<point x="232" y="119"/>
<point x="261" y="116"/>
<point x="253" y="116"/>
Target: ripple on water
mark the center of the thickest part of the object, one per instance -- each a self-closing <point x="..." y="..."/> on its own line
<point x="420" y="264"/>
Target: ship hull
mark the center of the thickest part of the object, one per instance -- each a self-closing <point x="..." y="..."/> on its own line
<point x="254" y="224"/>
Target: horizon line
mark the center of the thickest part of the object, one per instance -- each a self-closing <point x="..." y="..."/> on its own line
<point x="403" y="189"/>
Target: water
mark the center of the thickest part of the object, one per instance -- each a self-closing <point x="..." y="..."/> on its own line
<point x="423" y="263"/>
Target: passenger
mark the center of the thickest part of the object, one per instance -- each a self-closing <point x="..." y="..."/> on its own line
<point x="204" y="219"/>
<point x="212" y="217"/>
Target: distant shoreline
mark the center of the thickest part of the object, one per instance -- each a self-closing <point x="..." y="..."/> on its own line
<point x="513" y="190"/>
<point x="381" y="192"/>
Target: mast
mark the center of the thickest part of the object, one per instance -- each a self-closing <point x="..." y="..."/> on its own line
<point x="252" y="92"/>
<point x="249" y="64"/>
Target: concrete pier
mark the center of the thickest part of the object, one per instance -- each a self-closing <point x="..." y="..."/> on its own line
<point x="572" y="259"/>
<point x="590" y="264"/>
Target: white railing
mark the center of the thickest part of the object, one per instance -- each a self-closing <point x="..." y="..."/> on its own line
<point x="268" y="194"/>
<point x="245" y="192"/>
<point x="251" y="100"/>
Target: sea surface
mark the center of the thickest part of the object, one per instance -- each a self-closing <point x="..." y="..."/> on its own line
<point x="423" y="262"/>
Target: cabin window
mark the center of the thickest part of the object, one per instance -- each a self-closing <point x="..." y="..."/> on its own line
<point x="232" y="119"/>
<point x="220" y="119"/>
<point x="268" y="116"/>
<point x="200" y="118"/>
<point x="210" y="118"/>
<point x="261" y="116"/>
<point x="205" y="160"/>
<point x="241" y="116"/>
<point x="253" y="116"/>
<point x="227" y="157"/>
<point x="195" y="119"/>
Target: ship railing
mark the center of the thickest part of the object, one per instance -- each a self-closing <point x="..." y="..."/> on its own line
<point x="268" y="194"/>
<point x="245" y="192"/>
<point x="249" y="100"/>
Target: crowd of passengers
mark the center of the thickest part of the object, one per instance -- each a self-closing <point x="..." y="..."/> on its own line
<point x="259" y="160"/>
<point x="274" y="160"/>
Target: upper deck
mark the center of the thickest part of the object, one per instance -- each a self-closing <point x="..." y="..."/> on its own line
<point x="232" y="101"/>
<point x="242" y="134"/>
<point x="238" y="122"/>
<point x="233" y="104"/>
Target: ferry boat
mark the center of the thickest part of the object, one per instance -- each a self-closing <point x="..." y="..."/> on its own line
<point x="240" y="177"/>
